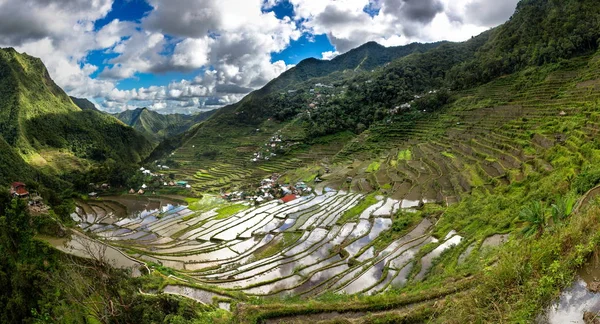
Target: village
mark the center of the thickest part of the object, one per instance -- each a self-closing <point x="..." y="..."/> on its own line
<point x="269" y="189"/>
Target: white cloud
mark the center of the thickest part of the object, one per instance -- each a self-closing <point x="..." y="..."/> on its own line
<point x="398" y="22"/>
<point x="229" y="42"/>
<point x="329" y="55"/>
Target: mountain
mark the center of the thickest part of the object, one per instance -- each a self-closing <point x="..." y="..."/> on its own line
<point x="43" y="126"/>
<point x="156" y="126"/>
<point x="497" y="136"/>
<point x="363" y="58"/>
<point x="84" y="104"/>
<point x="318" y="99"/>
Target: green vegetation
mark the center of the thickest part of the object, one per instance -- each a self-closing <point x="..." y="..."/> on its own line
<point x="353" y="213"/>
<point x="230" y="210"/>
<point x="373" y="167"/>
<point x="277" y="245"/>
<point x="40" y="126"/>
<point x="84" y="104"/>
<point x="498" y="134"/>
<point x="41" y="285"/>
<point x="404" y="155"/>
<point x="157" y="127"/>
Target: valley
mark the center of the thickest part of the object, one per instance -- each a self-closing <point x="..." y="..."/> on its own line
<point x="449" y="182"/>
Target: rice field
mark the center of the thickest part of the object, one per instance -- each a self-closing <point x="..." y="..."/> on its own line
<point x="297" y="249"/>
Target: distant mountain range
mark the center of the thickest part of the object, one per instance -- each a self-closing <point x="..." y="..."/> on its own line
<point x="360" y="88"/>
<point x="156" y="126"/>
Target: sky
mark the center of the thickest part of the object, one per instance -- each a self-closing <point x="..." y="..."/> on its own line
<point x="184" y="56"/>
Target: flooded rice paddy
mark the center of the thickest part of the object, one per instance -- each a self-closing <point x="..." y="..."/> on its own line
<point x="299" y="248"/>
<point x="580" y="299"/>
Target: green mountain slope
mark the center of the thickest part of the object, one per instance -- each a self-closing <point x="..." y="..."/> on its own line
<point x="503" y="157"/>
<point x="156" y="126"/>
<point x="84" y="104"/>
<point x="252" y="110"/>
<point x="43" y="126"/>
<point x="364" y="58"/>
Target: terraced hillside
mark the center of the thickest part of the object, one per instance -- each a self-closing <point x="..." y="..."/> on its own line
<point x="496" y="134"/>
<point x="303" y="248"/>
<point x="449" y="187"/>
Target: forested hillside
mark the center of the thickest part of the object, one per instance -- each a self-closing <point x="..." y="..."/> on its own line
<point x="156" y="126"/>
<point x="326" y="98"/>
<point x="43" y="126"/>
<point x="84" y="104"/>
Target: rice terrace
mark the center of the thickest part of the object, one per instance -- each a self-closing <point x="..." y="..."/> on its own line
<point x="293" y="161"/>
<point x="364" y="226"/>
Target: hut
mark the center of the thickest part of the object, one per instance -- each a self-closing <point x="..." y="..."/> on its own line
<point x="140" y="192"/>
<point x="19" y="190"/>
<point x="131" y="191"/>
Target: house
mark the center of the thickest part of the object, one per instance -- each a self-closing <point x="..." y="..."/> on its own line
<point x="182" y="183"/>
<point x="144" y="186"/>
<point x="171" y="184"/>
<point x="141" y="192"/>
<point x="287" y="199"/>
<point x="131" y="191"/>
<point x="93" y="195"/>
<point x="105" y="186"/>
<point x="19" y="190"/>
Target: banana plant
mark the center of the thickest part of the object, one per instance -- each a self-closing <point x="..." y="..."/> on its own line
<point x="562" y="209"/>
<point x="534" y="216"/>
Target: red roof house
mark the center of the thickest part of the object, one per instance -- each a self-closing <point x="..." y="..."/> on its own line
<point x="288" y="198"/>
<point x="18" y="189"/>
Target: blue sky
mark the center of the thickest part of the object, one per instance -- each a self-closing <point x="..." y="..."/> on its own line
<point x="134" y="10"/>
<point x="190" y="55"/>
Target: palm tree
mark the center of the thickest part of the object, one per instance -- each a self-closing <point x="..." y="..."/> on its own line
<point x="534" y="216"/>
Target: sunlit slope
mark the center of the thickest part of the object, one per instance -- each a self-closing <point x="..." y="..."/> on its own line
<point x="39" y="121"/>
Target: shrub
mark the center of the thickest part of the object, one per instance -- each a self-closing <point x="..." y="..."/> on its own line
<point x="586" y="180"/>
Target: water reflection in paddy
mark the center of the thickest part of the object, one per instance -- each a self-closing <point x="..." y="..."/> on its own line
<point x="576" y="300"/>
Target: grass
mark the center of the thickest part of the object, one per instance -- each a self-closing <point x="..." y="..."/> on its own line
<point x="373" y="167"/>
<point x="226" y="212"/>
<point x="274" y="247"/>
<point x="449" y="155"/>
<point x="402" y="223"/>
<point x="510" y="283"/>
<point x="353" y="213"/>
<point x="404" y="155"/>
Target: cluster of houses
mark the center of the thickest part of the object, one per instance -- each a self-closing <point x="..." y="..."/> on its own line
<point x="35" y="203"/>
<point x="406" y="106"/>
<point x="275" y="143"/>
<point x="143" y="188"/>
<point x="270" y="190"/>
